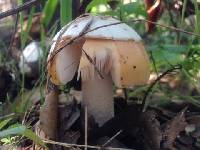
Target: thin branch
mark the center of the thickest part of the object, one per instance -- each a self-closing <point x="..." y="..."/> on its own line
<point x="177" y="67"/>
<point x="18" y="9"/>
<point x="93" y="63"/>
<point x="82" y="146"/>
<point x="112" y="138"/>
<point x="7" y="116"/>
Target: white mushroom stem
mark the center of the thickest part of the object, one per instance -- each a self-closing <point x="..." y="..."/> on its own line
<point x="98" y="97"/>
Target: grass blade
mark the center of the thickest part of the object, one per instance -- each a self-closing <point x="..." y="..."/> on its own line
<point x="22" y="130"/>
<point x="4" y="122"/>
<point x="49" y="10"/>
<point x="65" y="11"/>
<point x="197" y="12"/>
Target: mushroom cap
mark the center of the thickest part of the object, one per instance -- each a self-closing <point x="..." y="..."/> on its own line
<point x="119" y="31"/>
<point x="126" y="61"/>
<point x="106" y="46"/>
<point x="30" y="57"/>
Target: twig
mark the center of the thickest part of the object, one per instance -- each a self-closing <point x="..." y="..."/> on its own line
<point x="86" y="127"/>
<point x="112" y="138"/>
<point x="16" y="10"/>
<point x="177" y="67"/>
<point x="93" y="63"/>
<point x="27" y="114"/>
<point x="7" y="116"/>
<point x="77" y="145"/>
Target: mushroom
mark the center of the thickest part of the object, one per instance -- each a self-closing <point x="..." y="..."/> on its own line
<point x="29" y="59"/>
<point x="102" y="56"/>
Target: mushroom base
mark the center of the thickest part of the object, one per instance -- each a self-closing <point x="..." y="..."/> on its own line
<point x="98" y="97"/>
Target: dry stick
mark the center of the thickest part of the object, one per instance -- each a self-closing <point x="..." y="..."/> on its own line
<point x="82" y="146"/>
<point x="27" y="114"/>
<point x="112" y="138"/>
<point x="177" y="67"/>
<point x="93" y="63"/>
<point x="7" y="116"/>
<point x="86" y="127"/>
<point x="18" y="9"/>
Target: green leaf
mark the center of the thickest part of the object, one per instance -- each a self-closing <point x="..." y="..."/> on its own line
<point x="6" y="140"/>
<point x="29" y="23"/>
<point x="183" y="11"/>
<point x="175" y="48"/>
<point x="4" y="122"/>
<point x="65" y="11"/>
<point x="168" y="54"/>
<point x="49" y="10"/>
<point x="171" y="48"/>
<point x="197" y="12"/>
<point x="95" y="3"/>
<point x="22" y="130"/>
<point x="165" y="57"/>
<point x="134" y="8"/>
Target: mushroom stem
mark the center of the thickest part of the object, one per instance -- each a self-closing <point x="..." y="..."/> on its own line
<point x="98" y="97"/>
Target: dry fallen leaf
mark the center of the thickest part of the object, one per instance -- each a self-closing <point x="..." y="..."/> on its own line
<point x="173" y="128"/>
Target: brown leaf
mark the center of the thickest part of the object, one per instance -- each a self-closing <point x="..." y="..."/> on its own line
<point x="149" y="3"/>
<point x="194" y="119"/>
<point x="152" y="131"/>
<point x="154" y="11"/>
<point x="173" y="128"/>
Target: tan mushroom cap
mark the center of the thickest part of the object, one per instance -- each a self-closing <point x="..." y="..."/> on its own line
<point x="126" y="61"/>
<point x="116" y="50"/>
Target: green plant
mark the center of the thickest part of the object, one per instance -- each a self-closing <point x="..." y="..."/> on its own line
<point x="10" y="133"/>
